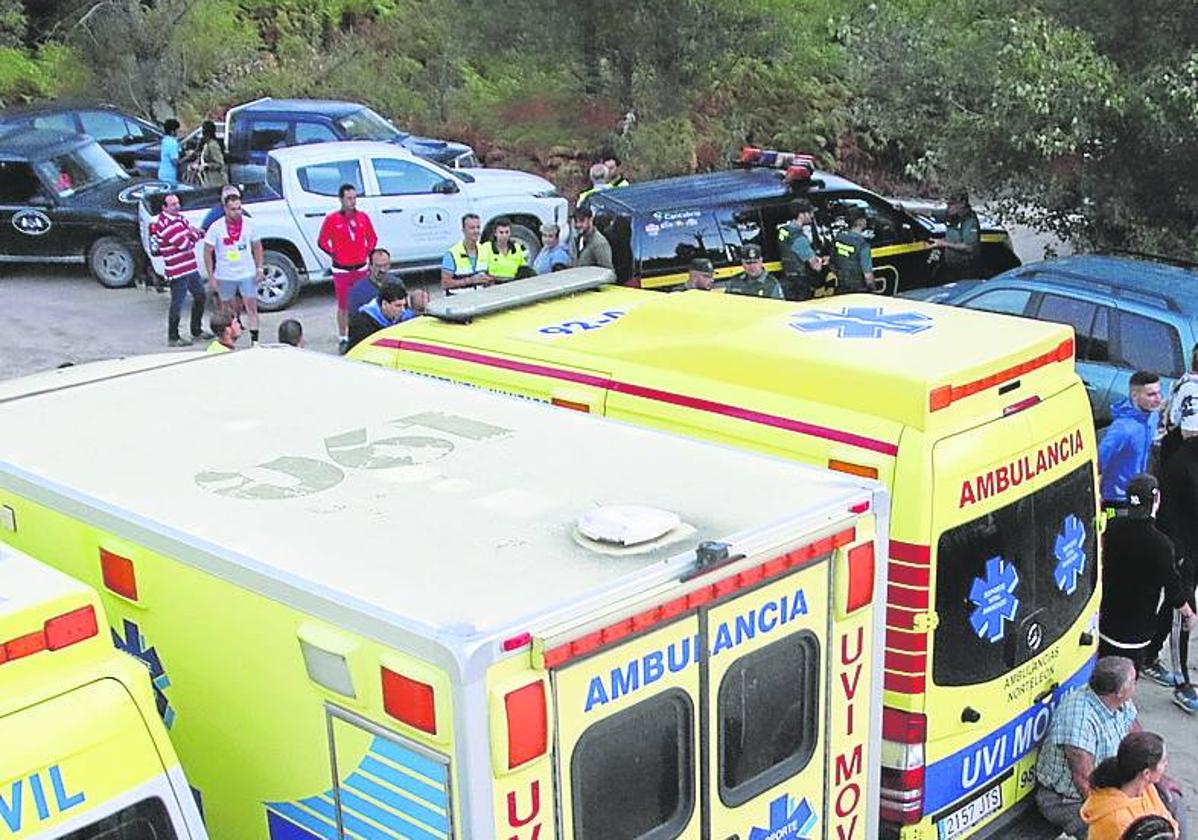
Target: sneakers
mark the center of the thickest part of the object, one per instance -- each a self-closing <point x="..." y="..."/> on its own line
<point x="202" y="335"/>
<point x="1160" y="675"/>
<point x="1186" y="698"/>
<point x="179" y="342"/>
<point x="343" y="347"/>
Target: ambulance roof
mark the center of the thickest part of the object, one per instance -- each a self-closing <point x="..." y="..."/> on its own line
<point x="211" y="460"/>
<point x="868" y="353"/>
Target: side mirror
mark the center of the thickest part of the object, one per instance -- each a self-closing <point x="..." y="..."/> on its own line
<point x="447" y="187"/>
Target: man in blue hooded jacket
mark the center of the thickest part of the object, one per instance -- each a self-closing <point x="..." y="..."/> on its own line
<point x="388" y="308"/>
<point x="1127" y="444"/>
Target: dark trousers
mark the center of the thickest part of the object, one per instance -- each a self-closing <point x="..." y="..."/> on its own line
<point x="797" y="288"/>
<point x="180" y="287"/>
<point x="1136" y="655"/>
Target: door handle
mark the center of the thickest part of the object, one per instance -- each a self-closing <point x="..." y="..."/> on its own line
<point x="1086" y="639"/>
<point x="970" y="715"/>
<point x="1046" y="693"/>
<point x="315" y="215"/>
<point x="392" y="209"/>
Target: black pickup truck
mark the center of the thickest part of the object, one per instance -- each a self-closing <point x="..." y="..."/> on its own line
<point x="63" y="199"/>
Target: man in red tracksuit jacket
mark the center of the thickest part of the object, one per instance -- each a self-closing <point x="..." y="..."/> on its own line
<point x="347" y="235"/>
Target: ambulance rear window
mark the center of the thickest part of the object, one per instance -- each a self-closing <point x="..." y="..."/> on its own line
<point x="769" y="713"/>
<point x="1009" y="584"/>
<point x="147" y="820"/>
<point x="640" y="760"/>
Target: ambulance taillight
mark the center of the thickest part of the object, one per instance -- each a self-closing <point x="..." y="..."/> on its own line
<point x="903" y="736"/>
<point x="861" y="577"/>
<point x="410" y="701"/>
<point x="118" y="574"/>
<point x="57" y="633"/>
<point x="527" y="724"/>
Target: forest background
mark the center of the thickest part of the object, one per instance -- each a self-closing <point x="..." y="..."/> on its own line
<point x="1079" y="117"/>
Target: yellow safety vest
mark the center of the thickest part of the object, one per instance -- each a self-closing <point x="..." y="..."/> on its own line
<point x="463" y="265"/>
<point x="503" y="266"/>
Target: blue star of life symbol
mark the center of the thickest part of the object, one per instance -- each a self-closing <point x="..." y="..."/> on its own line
<point x="786" y="821"/>
<point x="134" y="644"/>
<point x="1070" y="551"/>
<point x="994" y="597"/>
<point x="860" y="322"/>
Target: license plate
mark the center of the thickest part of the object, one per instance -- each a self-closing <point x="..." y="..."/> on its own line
<point x="970" y="814"/>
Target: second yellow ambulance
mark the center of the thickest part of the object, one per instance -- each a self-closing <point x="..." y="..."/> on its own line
<point x="978" y="423"/>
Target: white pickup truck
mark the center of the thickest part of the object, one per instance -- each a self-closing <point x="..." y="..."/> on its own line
<point x="416" y="206"/>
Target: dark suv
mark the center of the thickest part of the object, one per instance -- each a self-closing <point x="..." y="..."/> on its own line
<point x="657" y="227"/>
<point x="63" y="199"/>
<point x="132" y="141"/>
<point x="254" y="129"/>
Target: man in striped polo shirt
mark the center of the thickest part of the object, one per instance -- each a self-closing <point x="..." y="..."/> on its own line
<point x="176" y="239"/>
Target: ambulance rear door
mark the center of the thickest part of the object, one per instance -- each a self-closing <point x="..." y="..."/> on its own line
<point x="705" y="714"/>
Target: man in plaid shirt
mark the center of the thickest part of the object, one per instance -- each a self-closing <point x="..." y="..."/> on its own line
<point x="176" y="239"/>
<point x="1086" y="728"/>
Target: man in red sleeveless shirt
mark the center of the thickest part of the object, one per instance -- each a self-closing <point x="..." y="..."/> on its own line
<point x="347" y="236"/>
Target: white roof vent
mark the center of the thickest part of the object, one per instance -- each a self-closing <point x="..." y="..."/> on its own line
<point x="627" y="525"/>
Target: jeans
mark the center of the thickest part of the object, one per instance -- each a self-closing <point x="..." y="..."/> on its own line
<point x="180" y="287"/>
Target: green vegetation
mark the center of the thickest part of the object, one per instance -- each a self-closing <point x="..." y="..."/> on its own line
<point x="1080" y="117"/>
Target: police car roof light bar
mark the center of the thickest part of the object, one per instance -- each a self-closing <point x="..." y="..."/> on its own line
<point x="466" y="306"/>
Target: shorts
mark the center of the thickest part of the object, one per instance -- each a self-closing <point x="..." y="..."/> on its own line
<point x="343" y="280"/>
<point x="228" y="288"/>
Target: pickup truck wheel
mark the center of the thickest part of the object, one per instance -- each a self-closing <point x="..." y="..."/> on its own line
<point x="112" y="262"/>
<point x="528" y="239"/>
<point x="281" y="283"/>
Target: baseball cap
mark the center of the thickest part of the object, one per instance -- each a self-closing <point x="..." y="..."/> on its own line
<point x="703" y="265"/>
<point x="750" y="252"/>
<point x="229" y="191"/>
<point x="1141" y="492"/>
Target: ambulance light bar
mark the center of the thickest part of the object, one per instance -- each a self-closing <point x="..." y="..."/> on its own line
<point x="56" y="633"/>
<point x="946" y="395"/>
<point x="695" y="598"/>
<point x="466" y="306"/>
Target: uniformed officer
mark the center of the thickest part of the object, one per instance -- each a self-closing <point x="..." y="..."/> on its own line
<point x="802" y="267"/>
<point x="700" y="274"/>
<point x="851" y="257"/>
<point x="465" y="264"/>
<point x="504" y="256"/>
<point x="962" y="242"/>
<point x="754" y="281"/>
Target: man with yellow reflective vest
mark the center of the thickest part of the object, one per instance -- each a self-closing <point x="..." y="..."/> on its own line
<point x="227" y="330"/>
<point x="599" y="182"/>
<point x="754" y="281"/>
<point x="465" y="264"/>
<point x="802" y="267"/>
<point x="504" y="257"/>
<point x="852" y="259"/>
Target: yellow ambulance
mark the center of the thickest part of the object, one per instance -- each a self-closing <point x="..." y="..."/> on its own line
<point x="83" y="755"/>
<point x="977" y="423"/>
<point x="385" y="607"/>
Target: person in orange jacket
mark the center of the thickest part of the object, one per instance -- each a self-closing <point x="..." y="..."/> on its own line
<point x="1124" y="788"/>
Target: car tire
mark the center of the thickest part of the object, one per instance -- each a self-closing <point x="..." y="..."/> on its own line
<point x="281" y="285"/>
<point x="113" y="262"/>
<point x="530" y="241"/>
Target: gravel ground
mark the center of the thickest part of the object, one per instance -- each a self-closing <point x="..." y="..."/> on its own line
<point x="50" y="315"/>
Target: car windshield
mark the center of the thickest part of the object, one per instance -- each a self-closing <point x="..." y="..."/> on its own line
<point x="367" y="125"/>
<point x="77" y="169"/>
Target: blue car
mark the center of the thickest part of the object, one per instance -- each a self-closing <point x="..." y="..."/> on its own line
<point x="252" y="130"/>
<point x="1128" y="314"/>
